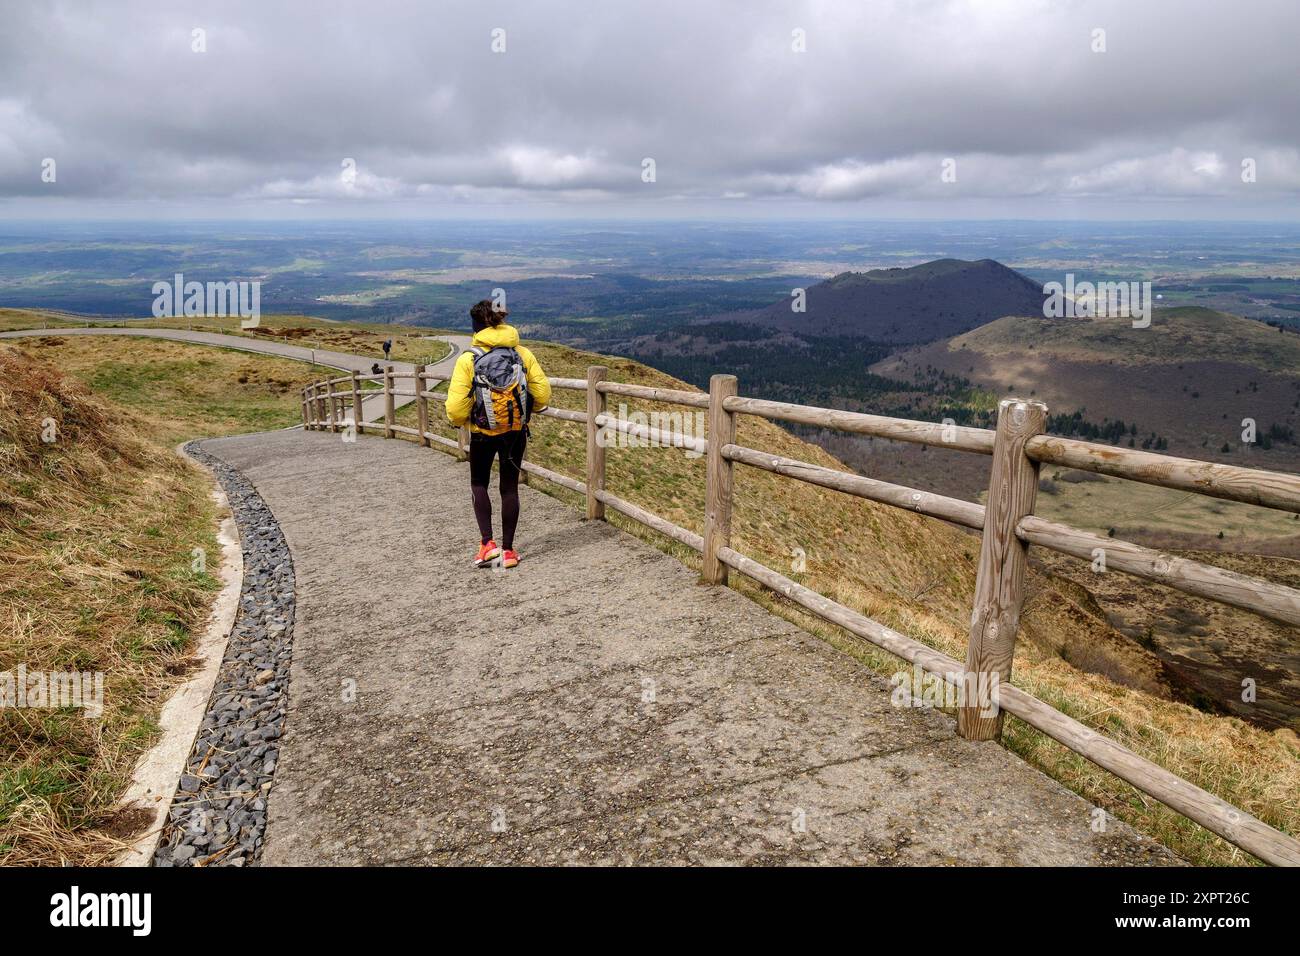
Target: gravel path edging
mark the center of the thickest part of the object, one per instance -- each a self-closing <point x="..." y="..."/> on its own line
<point x="218" y="813"/>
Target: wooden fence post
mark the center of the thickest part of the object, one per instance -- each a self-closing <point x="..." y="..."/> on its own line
<point x="306" y="418"/>
<point x="389" y="410"/>
<point x="462" y="442"/>
<point x="421" y="407"/>
<point x="1000" y="579"/>
<point x="356" y="402"/>
<point x="320" y="411"/>
<point x="595" y="450"/>
<point x="718" y="479"/>
<point x="336" y="408"/>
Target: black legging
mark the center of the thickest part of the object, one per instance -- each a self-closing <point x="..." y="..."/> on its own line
<point x="482" y="449"/>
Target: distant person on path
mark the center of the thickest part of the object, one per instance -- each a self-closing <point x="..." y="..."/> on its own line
<point x="388" y="347"/>
<point x="496" y="387"/>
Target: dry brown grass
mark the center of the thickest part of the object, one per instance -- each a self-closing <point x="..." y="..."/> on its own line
<point x="97" y="531"/>
<point x="92" y="579"/>
<point x="917" y="575"/>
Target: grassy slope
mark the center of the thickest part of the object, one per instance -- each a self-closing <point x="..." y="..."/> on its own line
<point x="1174" y="336"/>
<point x="1192" y="377"/>
<point x="917" y="575"/>
<point x="96" y="533"/>
<point x="1133" y="509"/>
<point x="359" y="338"/>
<point x="181" y="390"/>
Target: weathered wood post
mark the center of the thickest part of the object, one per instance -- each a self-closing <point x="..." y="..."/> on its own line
<point x="421" y="407"/>
<point x="356" y="401"/>
<point x="1000" y="579"/>
<point x="389" y="410"/>
<point x="595" y="449"/>
<point x="320" y="410"/>
<point x="306" y="416"/>
<point x="462" y="442"/>
<point x="718" y="479"/>
<point x="336" y="407"/>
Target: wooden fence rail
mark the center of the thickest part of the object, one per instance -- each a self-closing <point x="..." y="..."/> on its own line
<point x="1007" y="524"/>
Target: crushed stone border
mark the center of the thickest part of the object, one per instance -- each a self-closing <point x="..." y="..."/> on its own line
<point x="218" y="814"/>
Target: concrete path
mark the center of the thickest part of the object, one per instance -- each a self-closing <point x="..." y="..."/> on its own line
<point x="594" y="705"/>
<point x="372" y="409"/>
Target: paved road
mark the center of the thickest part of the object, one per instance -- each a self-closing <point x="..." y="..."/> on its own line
<point x="372" y="408"/>
<point x="594" y="705"/>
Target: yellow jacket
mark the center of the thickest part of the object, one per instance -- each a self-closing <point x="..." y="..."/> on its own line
<point x="459" y="401"/>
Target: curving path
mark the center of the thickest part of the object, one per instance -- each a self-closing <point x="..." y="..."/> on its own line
<point x="594" y="705"/>
<point x="372" y="408"/>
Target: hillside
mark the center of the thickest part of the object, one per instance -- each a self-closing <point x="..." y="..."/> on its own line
<point x="1175" y="335"/>
<point x="1191" y="377"/>
<point x="409" y="344"/>
<point x="96" y="529"/>
<point x="906" y="305"/>
<point x="99" y="528"/>
<point x="1189" y="380"/>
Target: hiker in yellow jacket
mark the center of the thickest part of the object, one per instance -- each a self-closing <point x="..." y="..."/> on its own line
<point x="496" y="387"/>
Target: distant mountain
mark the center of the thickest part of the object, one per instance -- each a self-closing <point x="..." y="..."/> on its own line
<point x="1194" y="375"/>
<point x="923" y="303"/>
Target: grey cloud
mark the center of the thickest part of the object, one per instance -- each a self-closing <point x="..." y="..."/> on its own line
<point x="585" y="91"/>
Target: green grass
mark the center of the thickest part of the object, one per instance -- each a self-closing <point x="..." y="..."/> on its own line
<point x="184" y="391"/>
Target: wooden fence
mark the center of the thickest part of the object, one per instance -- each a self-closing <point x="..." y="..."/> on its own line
<point x="1017" y="447"/>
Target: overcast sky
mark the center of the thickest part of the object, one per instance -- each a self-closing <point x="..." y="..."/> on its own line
<point x="1036" y="122"/>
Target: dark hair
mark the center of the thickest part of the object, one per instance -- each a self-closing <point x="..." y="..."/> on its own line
<point x="484" y="315"/>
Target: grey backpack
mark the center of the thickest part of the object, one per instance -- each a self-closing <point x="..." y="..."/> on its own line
<point x="500" y="391"/>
